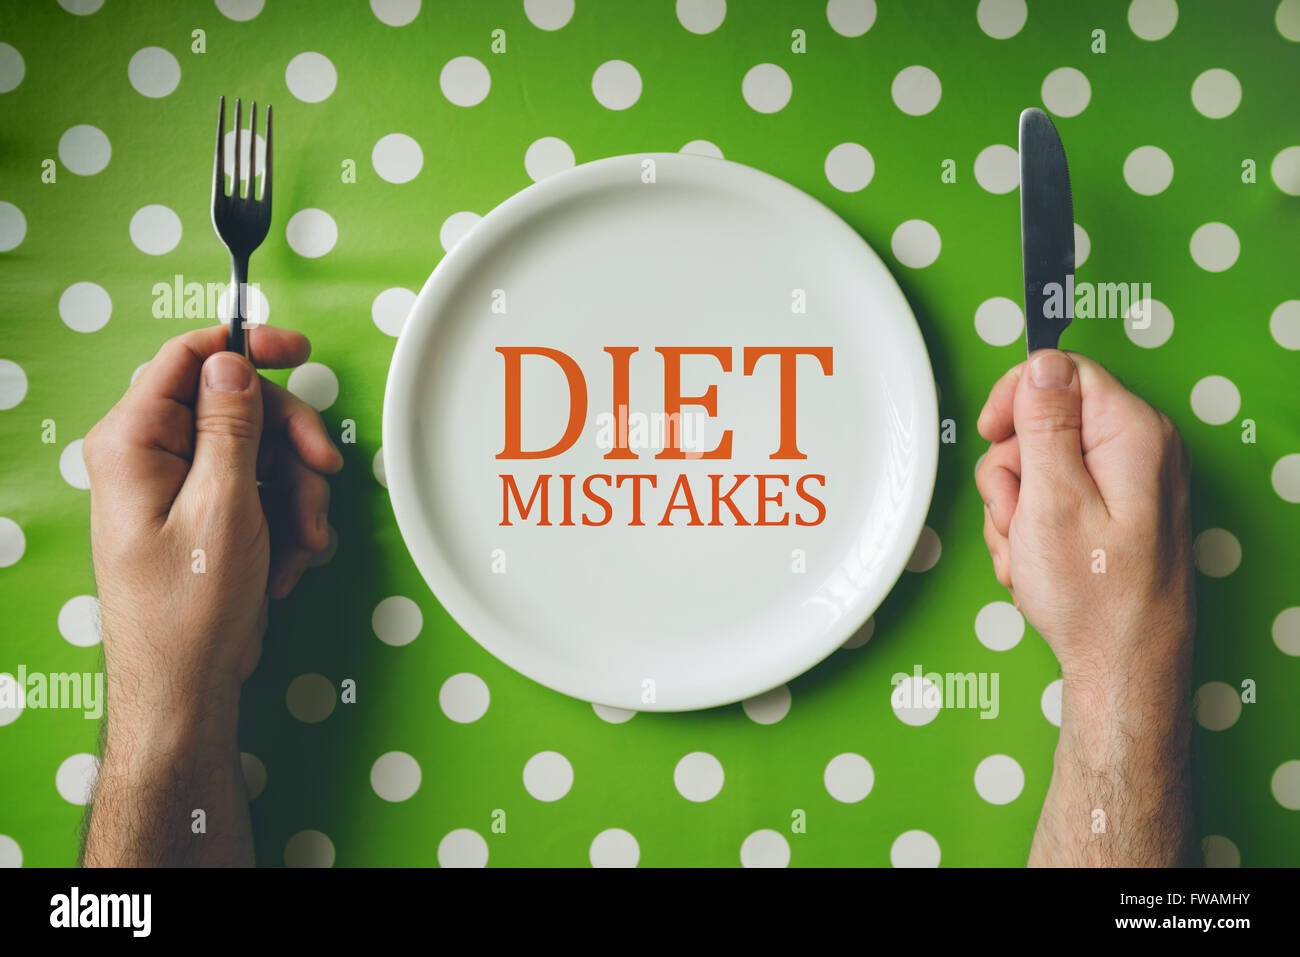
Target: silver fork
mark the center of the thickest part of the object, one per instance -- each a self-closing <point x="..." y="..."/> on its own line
<point x="241" y="222"/>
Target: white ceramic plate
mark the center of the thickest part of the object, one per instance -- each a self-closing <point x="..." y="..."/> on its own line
<point x="661" y="251"/>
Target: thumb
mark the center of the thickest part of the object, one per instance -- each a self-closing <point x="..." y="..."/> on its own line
<point x="227" y="419"/>
<point x="1048" y="413"/>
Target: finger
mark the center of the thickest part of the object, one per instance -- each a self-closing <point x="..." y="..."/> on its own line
<point x="998" y="481"/>
<point x="996" y="421"/>
<point x="1048" y="418"/>
<point x="999" y="551"/>
<point x="301" y="425"/>
<point x="309" y="502"/>
<point x="174" y="372"/>
<point x="227" y="422"/>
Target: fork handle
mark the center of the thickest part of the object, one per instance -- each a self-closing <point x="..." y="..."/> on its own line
<point x="237" y="339"/>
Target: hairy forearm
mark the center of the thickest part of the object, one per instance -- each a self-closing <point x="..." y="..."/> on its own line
<point x="170" y="791"/>
<point x="1120" y="794"/>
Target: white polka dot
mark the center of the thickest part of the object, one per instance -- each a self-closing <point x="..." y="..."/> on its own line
<point x="916" y="90"/>
<point x="155" y="229"/>
<point x="13" y="383"/>
<point x="1287" y="19"/>
<point x="309" y="849"/>
<point x="548" y="14"/>
<point x="999" y="779"/>
<point x="851" y="18"/>
<point x="1286" y="477"/>
<point x="255" y="303"/>
<point x="768" y="708"/>
<point x="1066" y="91"/>
<point x="311" y="77"/>
<point x="1148" y="170"/>
<point x="377" y="466"/>
<point x="1218" y="851"/>
<point x="11" y="691"/>
<point x="999" y="321"/>
<point x="11" y="855"/>
<point x="465" y="81"/>
<point x="397" y="620"/>
<point x="84" y="150"/>
<point x="927" y="551"/>
<point x="861" y="636"/>
<point x="916" y="701"/>
<point x="849" y="777"/>
<point x="548" y="776"/>
<point x="1284" y="324"/>
<point x="395" y="776"/>
<point x="154" y="72"/>
<point x="12" y="542"/>
<point x="766" y="88"/>
<point x="1082" y="245"/>
<point x="999" y="626"/>
<point x="1286" y="785"/>
<point x="455" y="227"/>
<point x="849" y="167"/>
<point x="1050" y="702"/>
<point x="12" y="68"/>
<point x="316" y="384"/>
<point x="390" y="309"/>
<point x="254" y="774"/>
<point x="614" y="847"/>
<point x="613" y="715"/>
<point x="616" y="84"/>
<point x="765" y="848"/>
<point x="76" y="777"/>
<point x="915" y="243"/>
<point x="72" y="466"/>
<point x="698" y="776"/>
<point x="1001" y="19"/>
<point x="1217" y="552"/>
<point x="13" y="226"/>
<point x="702" y="148"/>
<point x="463" y="848"/>
<point x="397" y="158"/>
<point x="240" y="9"/>
<point x="310" y="698"/>
<point x="1286" y="631"/>
<point x="395" y="13"/>
<point x="82" y="8"/>
<point x="701" y="16"/>
<point x="914" y="849"/>
<point x="1216" y="705"/>
<point x="997" y="168"/>
<point x="1215" y="400"/>
<point x="1216" y="93"/>
<point x="1152" y="19"/>
<point x="1215" y="247"/>
<point x="79" y="621"/>
<point x="546" y="157"/>
<point x="311" y="232"/>
<point x="1148" y="323"/>
<point x="1286" y="170"/>
<point x="464" y="698"/>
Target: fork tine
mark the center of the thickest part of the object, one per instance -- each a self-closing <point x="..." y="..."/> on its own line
<point x="252" y="152"/>
<point x="218" y="171"/>
<point x="239" y="136"/>
<point x="266" y="168"/>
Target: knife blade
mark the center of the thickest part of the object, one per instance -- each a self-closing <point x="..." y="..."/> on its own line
<point x="1046" y="232"/>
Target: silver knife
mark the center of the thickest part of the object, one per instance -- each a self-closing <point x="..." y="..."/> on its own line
<point x="1046" y="231"/>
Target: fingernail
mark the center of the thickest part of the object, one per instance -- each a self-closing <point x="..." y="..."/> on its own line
<point x="1052" y="370"/>
<point x="224" y="372"/>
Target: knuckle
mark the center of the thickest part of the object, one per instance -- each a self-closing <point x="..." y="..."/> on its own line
<point x="235" y="424"/>
<point x="1053" y="418"/>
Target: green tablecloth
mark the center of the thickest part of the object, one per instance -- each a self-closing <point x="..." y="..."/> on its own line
<point x="1174" y="116"/>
